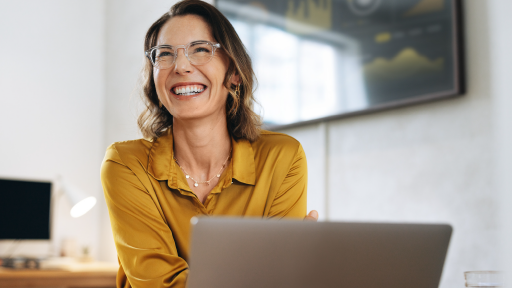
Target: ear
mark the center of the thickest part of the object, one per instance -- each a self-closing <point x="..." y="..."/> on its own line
<point x="235" y="79"/>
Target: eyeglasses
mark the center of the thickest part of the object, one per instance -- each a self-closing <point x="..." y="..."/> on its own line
<point x="197" y="52"/>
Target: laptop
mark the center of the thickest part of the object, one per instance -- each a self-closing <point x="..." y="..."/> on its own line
<point x="246" y="253"/>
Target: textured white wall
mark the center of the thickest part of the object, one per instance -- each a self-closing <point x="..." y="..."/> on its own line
<point x="427" y="163"/>
<point x="51" y="104"/>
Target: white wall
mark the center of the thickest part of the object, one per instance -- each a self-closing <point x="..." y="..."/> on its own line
<point x="427" y="163"/>
<point x="501" y="59"/>
<point x="51" y="104"/>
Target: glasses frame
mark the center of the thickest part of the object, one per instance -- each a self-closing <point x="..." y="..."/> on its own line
<point x="215" y="46"/>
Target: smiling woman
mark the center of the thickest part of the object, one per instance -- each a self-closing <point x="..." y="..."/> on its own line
<point x="203" y="152"/>
<point x="198" y="16"/>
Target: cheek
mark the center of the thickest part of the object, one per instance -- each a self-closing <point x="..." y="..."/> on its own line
<point x="218" y="68"/>
<point x="160" y="76"/>
<point x="157" y="77"/>
<point x="217" y="80"/>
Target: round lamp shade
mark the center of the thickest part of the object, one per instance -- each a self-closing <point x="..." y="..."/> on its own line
<point x="80" y="202"/>
<point x="83" y="206"/>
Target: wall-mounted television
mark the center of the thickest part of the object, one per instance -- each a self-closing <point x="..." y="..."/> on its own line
<point x="25" y="209"/>
<point x="323" y="59"/>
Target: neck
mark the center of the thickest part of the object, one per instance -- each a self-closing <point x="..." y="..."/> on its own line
<point x="201" y="145"/>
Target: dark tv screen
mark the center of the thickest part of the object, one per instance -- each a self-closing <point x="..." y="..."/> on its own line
<point x="25" y="209"/>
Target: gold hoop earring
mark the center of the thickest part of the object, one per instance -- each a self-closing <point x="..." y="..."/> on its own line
<point x="237" y="91"/>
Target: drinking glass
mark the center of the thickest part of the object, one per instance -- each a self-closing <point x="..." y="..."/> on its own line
<point x="487" y="279"/>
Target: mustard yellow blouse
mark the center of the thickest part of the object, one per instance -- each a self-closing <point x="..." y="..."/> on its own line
<point x="150" y="203"/>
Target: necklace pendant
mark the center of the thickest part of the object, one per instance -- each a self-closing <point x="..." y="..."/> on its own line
<point x="195" y="184"/>
<point x="208" y="183"/>
<point x="218" y="175"/>
<point x="187" y="176"/>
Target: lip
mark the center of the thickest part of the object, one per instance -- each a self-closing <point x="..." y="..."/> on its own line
<point x="181" y="97"/>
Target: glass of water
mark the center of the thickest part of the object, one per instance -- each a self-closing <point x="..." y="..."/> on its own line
<point x="487" y="279"/>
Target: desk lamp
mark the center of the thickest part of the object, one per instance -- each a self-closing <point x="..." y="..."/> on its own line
<point x="80" y="202"/>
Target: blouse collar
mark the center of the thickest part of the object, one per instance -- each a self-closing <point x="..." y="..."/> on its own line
<point x="162" y="166"/>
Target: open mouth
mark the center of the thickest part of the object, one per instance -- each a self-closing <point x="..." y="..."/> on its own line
<point x="188" y="90"/>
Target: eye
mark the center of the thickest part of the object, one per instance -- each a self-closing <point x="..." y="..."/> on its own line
<point x="164" y="54"/>
<point x="201" y="50"/>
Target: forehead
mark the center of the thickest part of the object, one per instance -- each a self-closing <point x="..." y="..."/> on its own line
<point x="181" y="30"/>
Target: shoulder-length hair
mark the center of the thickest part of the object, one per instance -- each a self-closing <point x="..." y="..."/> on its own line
<point x="243" y="122"/>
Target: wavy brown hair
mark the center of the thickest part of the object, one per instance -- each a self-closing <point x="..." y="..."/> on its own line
<point x="243" y="123"/>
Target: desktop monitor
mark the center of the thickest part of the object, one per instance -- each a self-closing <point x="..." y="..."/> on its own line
<point x="25" y="209"/>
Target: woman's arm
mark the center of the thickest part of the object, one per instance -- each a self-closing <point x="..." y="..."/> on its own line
<point x="291" y="198"/>
<point x="144" y="242"/>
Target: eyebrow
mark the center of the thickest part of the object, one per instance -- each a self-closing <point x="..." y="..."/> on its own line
<point x="195" y="41"/>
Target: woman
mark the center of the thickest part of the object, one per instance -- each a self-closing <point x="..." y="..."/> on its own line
<point x="206" y="155"/>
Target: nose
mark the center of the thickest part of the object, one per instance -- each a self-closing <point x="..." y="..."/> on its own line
<point x="182" y="65"/>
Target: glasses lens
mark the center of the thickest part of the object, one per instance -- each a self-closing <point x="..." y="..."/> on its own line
<point x="163" y="58"/>
<point x="200" y="53"/>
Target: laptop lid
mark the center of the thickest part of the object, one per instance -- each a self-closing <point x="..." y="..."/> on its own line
<point x="234" y="253"/>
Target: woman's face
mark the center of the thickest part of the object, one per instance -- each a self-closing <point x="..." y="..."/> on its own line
<point x="207" y="79"/>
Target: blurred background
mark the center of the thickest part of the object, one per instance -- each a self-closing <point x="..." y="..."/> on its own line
<point x="68" y="79"/>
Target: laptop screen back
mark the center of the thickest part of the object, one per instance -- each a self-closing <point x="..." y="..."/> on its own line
<point x="231" y="253"/>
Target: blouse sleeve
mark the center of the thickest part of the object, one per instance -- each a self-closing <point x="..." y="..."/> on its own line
<point x="144" y="242"/>
<point x="291" y="198"/>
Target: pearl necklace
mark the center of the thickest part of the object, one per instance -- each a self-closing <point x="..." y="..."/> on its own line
<point x="207" y="182"/>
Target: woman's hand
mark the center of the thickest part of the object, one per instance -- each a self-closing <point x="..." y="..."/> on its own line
<point x="312" y="216"/>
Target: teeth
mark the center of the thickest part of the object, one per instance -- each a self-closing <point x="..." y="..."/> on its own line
<point x="188" y="90"/>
